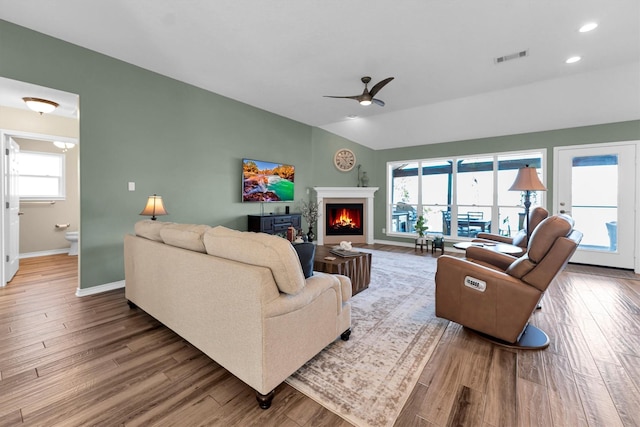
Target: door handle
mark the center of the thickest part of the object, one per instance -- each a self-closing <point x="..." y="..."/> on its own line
<point x="20" y="213"/>
<point x="562" y="211"/>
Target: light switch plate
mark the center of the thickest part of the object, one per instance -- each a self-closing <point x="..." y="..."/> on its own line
<point x="132" y="186"/>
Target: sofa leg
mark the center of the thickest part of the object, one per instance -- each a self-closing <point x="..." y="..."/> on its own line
<point x="345" y="335"/>
<point x="132" y="305"/>
<point x="264" y="400"/>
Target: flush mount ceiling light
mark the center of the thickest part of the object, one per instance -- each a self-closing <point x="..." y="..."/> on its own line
<point x="64" y="145"/>
<point x="573" y="60"/>
<point x="589" y="26"/>
<point x="40" y="105"/>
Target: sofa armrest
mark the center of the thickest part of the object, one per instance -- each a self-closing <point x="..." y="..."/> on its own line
<point x="489" y="237"/>
<point x="345" y="286"/>
<point x="314" y="287"/>
<point x="489" y="256"/>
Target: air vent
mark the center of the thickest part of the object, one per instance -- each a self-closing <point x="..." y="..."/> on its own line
<point x="511" y="56"/>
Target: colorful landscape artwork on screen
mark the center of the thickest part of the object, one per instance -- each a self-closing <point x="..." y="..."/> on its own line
<point x="267" y="181"/>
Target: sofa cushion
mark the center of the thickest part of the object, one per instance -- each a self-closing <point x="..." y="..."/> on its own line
<point x="306" y="252"/>
<point x="259" y="249"/>
<point x="150" y="229"/>
<point x="186" y="236"/>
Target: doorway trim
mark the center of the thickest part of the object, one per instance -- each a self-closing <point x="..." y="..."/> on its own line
<point x="5" y="135"/>
<point x="556" y="186"/>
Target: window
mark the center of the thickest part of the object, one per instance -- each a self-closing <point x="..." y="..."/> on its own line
<point x="41" y="176"/>
<point x="459" y="196"/>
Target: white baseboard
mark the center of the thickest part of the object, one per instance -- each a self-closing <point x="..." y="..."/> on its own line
<point x="394" y="243"/>
<point x="99" y="289"/>
<point x="44" y="253"/>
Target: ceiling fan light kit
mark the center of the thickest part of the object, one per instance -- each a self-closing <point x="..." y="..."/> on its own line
<point x="367" y="96"/>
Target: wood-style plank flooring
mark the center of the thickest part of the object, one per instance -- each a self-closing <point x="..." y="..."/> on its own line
<point x="73" y="361"/>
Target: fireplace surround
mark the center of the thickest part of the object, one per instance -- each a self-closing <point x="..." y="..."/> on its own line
<point x="345" y="196"/>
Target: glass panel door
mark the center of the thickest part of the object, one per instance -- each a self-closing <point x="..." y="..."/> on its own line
<point x="596" y="186"/>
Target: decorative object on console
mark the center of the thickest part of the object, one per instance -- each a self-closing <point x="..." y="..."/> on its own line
<point x="310" y="212"/>
<point x="344" y="159"/>
<point x="527" y="180"/>
<point x="267" y="181"/>
<point x="154" y="207"/>
<point x="363" y="179"/>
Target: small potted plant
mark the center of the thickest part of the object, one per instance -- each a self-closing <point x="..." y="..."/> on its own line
<point x="421" y="226"/>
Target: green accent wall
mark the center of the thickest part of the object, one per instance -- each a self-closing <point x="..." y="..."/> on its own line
<point x="186" y="144"/>
<point x="170" y="138"/>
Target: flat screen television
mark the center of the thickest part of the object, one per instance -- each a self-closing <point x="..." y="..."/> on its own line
<point x="266" y="181"/>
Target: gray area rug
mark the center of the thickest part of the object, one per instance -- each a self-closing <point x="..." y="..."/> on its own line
<point x="368" y="379"/>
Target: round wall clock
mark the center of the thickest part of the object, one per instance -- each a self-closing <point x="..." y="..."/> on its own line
<point x="344" y="159"/>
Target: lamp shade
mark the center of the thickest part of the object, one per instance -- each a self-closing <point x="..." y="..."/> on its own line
<point x="154" y="207"/>
<point x="40" y="105"/>
<point x="527" y="180"/>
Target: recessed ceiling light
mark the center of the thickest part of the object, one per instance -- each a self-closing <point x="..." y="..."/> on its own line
<point x="589" y="26"/>
<point x="573" y="60"/>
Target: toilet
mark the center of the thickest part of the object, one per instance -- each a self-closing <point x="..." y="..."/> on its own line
<point x="72" y="236"/>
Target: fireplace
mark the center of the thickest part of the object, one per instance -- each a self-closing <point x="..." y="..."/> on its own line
<point x="344" y="219"/>
<point x="347" y="197"/>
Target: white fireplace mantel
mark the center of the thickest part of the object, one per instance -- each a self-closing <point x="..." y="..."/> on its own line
<point x="347" y="193"/>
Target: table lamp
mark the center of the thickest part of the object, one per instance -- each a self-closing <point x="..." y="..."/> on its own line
<point x="154" y="207"/>
<point x="527" y="180"/>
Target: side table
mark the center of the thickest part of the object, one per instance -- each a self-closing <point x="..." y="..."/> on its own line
<point x="437" y="242"/>
<point x="357" y="268"/>
<point x="422" y="242"/>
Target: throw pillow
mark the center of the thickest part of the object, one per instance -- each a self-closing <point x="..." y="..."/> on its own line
<point x="306" y="252"/>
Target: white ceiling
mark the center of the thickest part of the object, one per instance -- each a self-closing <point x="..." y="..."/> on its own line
<point x="283" y="56"/>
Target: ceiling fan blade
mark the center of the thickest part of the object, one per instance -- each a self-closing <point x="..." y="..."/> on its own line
<point x="378" y="101"/>
<point x="356" y="97"/>
<point x="379" y="86"/>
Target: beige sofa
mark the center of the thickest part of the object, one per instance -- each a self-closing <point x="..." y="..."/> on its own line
<point x="239" y="297"/>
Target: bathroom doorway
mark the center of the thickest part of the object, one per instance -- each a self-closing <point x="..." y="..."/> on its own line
<point x="43" y="220"/>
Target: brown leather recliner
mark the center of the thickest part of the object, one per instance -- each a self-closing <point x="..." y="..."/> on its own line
<point x="495" y="294"/>
<point x="520" y="238"/>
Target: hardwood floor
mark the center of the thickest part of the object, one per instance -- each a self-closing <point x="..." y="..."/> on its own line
<point x="75" y="361"/>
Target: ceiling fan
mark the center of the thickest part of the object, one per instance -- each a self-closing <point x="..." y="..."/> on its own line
<point x="367" y="96"/>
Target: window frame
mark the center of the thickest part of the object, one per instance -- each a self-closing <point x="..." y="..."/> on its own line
<point x="495" y="207"/>
<point x="62" y="184"/>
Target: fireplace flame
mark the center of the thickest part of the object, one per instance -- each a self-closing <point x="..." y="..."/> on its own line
<point x="344" y="219"/>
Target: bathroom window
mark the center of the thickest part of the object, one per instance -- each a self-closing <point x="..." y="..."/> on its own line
<point x="41" y="176"/>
